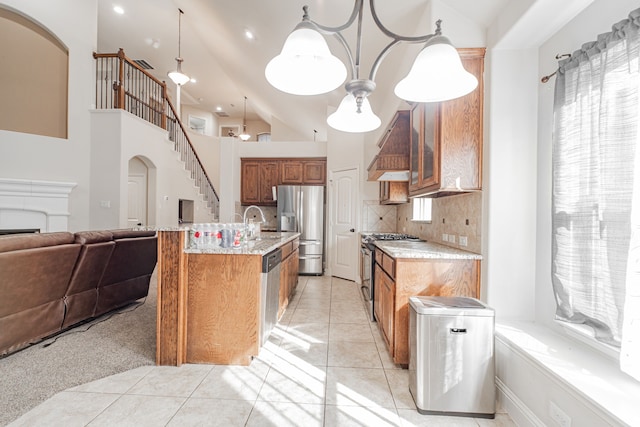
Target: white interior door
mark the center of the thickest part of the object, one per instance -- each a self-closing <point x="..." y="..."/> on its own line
<point x="343" y="238"/>
<point x="137" y="200"/>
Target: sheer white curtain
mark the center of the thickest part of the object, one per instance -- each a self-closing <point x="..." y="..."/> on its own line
<point x="596" y="169"/>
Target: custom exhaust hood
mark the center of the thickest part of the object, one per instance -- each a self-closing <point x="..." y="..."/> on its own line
<point x="392" y="161"/>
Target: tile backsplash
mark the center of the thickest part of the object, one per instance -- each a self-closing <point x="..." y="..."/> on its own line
<point x="270" y="214"/>
<point x="378" y="218"/>
<point x="454" y="216"/>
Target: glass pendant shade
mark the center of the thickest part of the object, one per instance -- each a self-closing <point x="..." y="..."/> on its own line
<point x="347" y="118"/>
<point x="244" y="135"/>
<point x="437" y="75"/>
<point x="178" y="77"/>
<point x="305" y="65"/>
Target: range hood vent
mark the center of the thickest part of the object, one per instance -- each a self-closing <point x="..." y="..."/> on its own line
<point x="392" y="161"/>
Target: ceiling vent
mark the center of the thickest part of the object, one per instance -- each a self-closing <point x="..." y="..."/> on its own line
<point x="222" y="114"/>
<point x="143" y="64"/>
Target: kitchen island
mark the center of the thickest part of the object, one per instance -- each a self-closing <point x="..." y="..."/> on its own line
<point x="408" y="268"/>
<point x="209" y="300"/>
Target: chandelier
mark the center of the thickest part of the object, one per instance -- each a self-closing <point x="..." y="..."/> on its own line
<point x="305" y="66"/>
<point x="178" y="77"/>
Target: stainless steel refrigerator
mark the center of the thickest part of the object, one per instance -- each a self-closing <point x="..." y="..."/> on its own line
<point x="301" y="209"/>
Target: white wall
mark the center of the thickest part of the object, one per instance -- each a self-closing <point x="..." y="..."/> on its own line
<point x="509" y="182"/>
<point x="37" y="157"/>
<point x="109" y="171"/>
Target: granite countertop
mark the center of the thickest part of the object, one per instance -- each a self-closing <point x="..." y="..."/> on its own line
<point x="423" y="250"/>
<point x="267" y="242"/>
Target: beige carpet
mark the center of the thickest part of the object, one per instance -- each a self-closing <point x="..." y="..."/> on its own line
<point x="113" y="343"/>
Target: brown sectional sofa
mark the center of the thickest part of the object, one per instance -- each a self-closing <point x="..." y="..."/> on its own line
<point x="52" y="281"/>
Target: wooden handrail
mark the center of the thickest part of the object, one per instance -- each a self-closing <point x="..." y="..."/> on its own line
<point x="131" y="62"/>
<point x="121" y="83"/>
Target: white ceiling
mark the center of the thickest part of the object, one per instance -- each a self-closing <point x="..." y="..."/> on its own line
<point x="228" y="66"/>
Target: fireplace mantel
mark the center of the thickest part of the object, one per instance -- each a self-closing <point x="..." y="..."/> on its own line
<point x="34" y="204"/>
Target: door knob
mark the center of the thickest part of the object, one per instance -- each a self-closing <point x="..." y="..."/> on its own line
<point x="352" y="230"/>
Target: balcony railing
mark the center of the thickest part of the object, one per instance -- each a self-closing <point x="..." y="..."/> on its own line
<point x="122" y="83"/>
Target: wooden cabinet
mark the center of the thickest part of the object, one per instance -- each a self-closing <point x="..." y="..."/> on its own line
<point x="288" y="274"/>
<point x="291" y="172"/>
<point x="257" y="178"/>
<point x="398" y="279"/>
<point x="394" y="192"/>
<point x="446" y="139"/>
<point x="303" y="172"/>
<point x="314" y="172"/>
<point x="384" y="296"/>
<point x="259" y="175"/>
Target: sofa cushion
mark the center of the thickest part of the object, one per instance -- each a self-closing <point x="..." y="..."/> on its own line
<point x="82" y="293"/>
<point x="32" y="277"/>
<point x="88" y="237"/>
<point x="14" y="242"/>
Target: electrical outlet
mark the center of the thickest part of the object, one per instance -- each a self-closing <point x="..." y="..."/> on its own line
<point x="452" y="238"/>
<point x="462" y="240"/>
<point x="445" y="237"/>
<point x="105" y="203"/>
<point x="558" y="415"/>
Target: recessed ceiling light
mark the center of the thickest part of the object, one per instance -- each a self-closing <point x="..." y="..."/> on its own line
<point x="249" y="35"/>
<point x="118" y="9"/>
<point x="218" y="108"/>
<point x="193" y="80"/>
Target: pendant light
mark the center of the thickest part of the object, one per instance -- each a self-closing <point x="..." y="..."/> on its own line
<point x="178" y="77"/>
<point x="305" y="66"/>
<point x="244" y="135"/>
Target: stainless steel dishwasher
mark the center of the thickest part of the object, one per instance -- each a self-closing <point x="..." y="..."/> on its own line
<point x="270" y="290"/>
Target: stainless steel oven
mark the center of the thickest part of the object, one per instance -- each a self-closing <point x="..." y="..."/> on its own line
<point x="366" y="273"/>
<point x="367" y="264"/>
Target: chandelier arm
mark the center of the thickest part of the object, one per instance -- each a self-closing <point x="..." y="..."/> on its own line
<point x="345" y="45"/>
<point x="387" y="49"/>
<point x="391" y="34"/>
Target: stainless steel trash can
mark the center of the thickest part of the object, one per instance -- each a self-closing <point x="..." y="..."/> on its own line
<point x="451" y="356"/>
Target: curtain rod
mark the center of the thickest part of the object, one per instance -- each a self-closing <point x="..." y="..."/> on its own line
<point x="558" y="56"/>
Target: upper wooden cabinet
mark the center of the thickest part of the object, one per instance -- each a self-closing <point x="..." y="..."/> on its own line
<point x="303" y="172"/>
<point x="394" y="192"/>
<point x="259" y="175"/>
<point x="256" y="181"/>
<point x="446" y="139"/>
<point x="393" y="156"/>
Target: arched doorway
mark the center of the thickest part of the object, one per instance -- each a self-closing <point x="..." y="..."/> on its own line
<point x="138" y="193"/>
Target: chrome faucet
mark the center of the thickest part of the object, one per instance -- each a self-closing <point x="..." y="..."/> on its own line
<point x="244" y="218"/>
<point x="252" y="231"/>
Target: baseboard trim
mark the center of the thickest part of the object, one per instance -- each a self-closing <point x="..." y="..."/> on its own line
<point x="516" y="408"/>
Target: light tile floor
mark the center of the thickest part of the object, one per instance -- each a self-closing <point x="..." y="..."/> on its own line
<point x="325" y="364"/>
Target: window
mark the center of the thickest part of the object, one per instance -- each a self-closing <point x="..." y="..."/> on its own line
<point x="264" y="137"/>
<point x="421" y="209"/>
<point x="197" y="124"/>
<point x="596" y="190"/>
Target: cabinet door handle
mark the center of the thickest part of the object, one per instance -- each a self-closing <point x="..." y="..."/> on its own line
<point x="458" y="330"/>
<point x="352" y="230"/>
